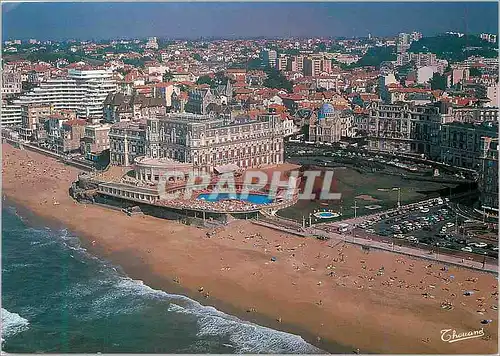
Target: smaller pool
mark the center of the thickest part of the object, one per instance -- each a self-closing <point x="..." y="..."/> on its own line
<point x="251" y="198"/>
<point x="326" y="215"/>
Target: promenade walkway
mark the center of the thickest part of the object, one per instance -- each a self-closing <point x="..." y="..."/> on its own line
<point x="409" y="251"/>
<point x="280" y="228"/>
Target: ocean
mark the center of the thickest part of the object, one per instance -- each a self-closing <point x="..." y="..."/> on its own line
<point x="57" y="297"/>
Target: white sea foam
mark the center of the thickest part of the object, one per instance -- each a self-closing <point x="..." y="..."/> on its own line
<point x="15" y="212"/>
<point x="21" y="265"/>
<point x="244" y="336"/>
<point x="12" y="324"/>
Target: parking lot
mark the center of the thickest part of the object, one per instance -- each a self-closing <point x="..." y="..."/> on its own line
<point x="433" y="224"/>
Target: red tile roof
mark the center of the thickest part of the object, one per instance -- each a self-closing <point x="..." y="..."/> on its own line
<point x="75" y="122"/>
<point x="294" y="97"/>
<point x="164" y="84"/>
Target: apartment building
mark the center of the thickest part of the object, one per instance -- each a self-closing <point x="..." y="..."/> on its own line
<point x="121" y="107"/>
<point x="404" y="128"/>
<point x="282" y="63"/>
<point x="269" y="57"/>
<point x="461" y="144"/>
<point x="289" y="127"/>
<point x="30" y="117"/>
<point x="312" y="66"/>
<point x="94" y="141"/>
<point x="473" y="115"/>
<point x="328" y="83"/>
<point x="70" y="134"/>
<point x="295" y="64"/>
<point x="492" y="95"/>
<point x="326" y="65"/>
<point x="488" y="179"/>
<point x="81" y="90"/>
<point x="127" y="140"/>
<point x="423" y="59"/>
<point x="419" y="59"/>
<point x="11" y="115"/>
<point x="11" y="82"/>
<point x="208" y="142"/>
<point x="403" y="42"/>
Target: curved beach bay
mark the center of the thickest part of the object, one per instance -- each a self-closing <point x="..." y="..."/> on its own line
<point x="355" y="306"/>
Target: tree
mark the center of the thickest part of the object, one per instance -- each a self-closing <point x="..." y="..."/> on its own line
<point x="205" y="79"/>
<point x="340" y="64"/>
<point x="438" y="82"/>
<point x="358" y="101"/>
<point x="276" y="80"/>
<point x="376" y="55"/>
<point x="321" y="47"/>
<point x="123" y="71"/>
<point x="184" y="88"/>
<point x="197" y="57"/>
<point x="135" y="62"/>
<point x="475" y="72"/>
<point x="334" y="47"/>
<point x="167" y="76"/>
<point x="254" y="63"/>
<point x="406" y="68"/>
<point x="453" y="48"/>
<point x="220" y="78"/>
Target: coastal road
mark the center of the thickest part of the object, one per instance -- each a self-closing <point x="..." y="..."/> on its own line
<point x="409" y="251"/>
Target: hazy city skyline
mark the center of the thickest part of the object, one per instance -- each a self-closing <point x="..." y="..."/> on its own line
<point x="100" y="21"/>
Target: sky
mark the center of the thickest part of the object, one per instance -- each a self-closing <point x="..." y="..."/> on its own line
<point x="111" y="20"/>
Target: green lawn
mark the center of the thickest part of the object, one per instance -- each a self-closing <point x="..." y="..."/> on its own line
<point x="350" y="183"/>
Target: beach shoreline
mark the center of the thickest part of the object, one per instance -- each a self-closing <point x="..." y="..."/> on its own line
<point x="140" y="272"/>
<point x="239" y="276"/>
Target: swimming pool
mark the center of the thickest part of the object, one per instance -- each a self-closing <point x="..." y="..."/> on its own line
<point x="326" y="215"/>
<point x="252" y="198"/>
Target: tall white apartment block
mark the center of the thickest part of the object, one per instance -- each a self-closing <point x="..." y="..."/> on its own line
<point x="83" y="91"/>
<point x="10" y="115"/>
<point x="403" y="42"/>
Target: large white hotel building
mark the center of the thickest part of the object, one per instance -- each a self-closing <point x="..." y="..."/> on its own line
<point x="207" y="142"/>
<point x="83" y="91"/>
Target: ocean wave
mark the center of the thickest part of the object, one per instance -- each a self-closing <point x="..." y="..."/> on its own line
<point x="12" y="324"/>
<point x="11" y="209"/>
<point x="42" y="244"/>
<point x="244" y="336"/>
<point x="22" y="265"/>
<point x="110" y="291"/>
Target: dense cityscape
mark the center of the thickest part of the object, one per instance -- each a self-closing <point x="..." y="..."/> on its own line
<point x="407" y="123"/>
<point x="401" y="94"/>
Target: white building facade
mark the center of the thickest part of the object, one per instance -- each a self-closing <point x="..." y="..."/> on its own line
<point x="83" y="91"/>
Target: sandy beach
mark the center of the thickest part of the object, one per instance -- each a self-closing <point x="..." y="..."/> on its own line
<point x="327" y="291"/>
